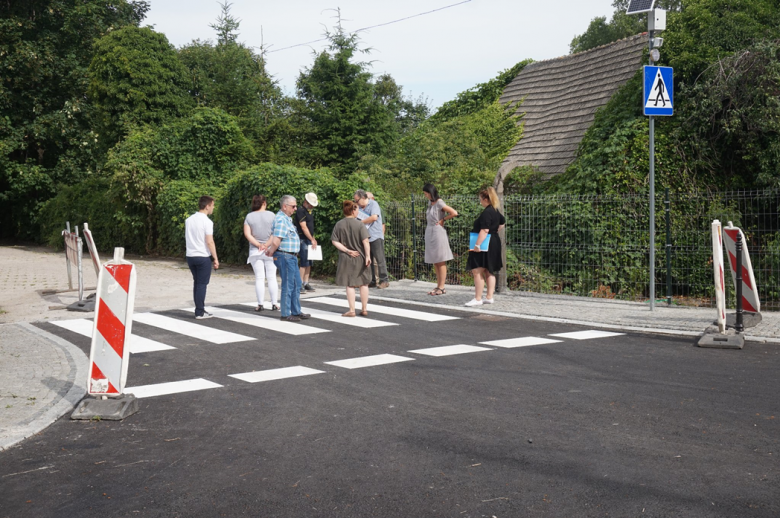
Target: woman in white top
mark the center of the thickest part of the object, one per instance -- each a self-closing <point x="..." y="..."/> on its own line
<point x="258" y="227"/>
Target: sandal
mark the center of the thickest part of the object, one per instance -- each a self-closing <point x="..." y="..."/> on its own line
<point x="274" y="307"/>
<point x="259" y="308"/>
<point x="364" y="313"/>
<point x="437" y="291"/>
<point x="349" y="314"/>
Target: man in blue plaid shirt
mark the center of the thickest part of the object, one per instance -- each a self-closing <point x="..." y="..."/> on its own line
<point x="285" y="245"/>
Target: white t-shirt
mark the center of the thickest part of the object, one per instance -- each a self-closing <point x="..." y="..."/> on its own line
<point x="196" y="228"/>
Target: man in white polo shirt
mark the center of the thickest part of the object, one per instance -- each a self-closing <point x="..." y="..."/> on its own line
<point x="199" y="234"/>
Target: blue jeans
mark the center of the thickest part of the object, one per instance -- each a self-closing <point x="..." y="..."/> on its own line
<point x="290" y="301"/>
<point x="201" y="274"/>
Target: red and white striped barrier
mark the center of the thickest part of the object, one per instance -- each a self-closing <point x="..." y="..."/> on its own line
<point x="92" y="248"/>
<point x="110" y="354"/>
<point x="750" y="301"/>
<point x="717" y="266"/>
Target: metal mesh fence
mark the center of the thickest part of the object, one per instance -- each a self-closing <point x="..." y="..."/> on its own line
<point x="598" y="246"/>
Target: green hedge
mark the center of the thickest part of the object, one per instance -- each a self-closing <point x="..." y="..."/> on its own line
<point x="273" y="181"/>
<point x="95" y="202"/>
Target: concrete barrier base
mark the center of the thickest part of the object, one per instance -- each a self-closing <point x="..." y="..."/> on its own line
<point x="729" y="340"/>
<point x="111" y="409"/>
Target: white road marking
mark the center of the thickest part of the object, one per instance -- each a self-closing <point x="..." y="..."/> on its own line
<point x="449" y="350"/>
<point x="268" y="323"/>
<point x="275" y="374"/>
<point x="358" y="321"/>
<point x="587" y="335"/>
<point x="387" y="310"/>
<point x="174" y="387"/>
<point x="524" y="341"/>
<point x="138" y="344"/>
<point x="208" y="334"/>
<point x="369" y="361"/>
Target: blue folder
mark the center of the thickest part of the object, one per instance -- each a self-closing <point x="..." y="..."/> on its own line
<point x="483" y="246"/>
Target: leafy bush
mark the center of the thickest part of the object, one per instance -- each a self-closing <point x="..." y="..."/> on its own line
<point x="177" y="201"/>
<point x="94" y="202"/>
<point x="273" y="181"/>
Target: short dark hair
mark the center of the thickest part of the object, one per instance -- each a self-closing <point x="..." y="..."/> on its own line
<point x="204" y="202"/>
<point x="430" y="189"/>
<point x="257" y="201"/>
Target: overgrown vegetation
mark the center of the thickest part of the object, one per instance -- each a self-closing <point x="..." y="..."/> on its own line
<point x="102" y="120"/>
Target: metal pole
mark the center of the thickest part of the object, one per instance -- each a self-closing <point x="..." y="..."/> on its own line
<point x="78" y="258"/>
<point x="667" y="204"/>
<point x="414" y="240"/>
<point x="501" y="287"/>
<point x="652" y="196"/>
<point x="67" y="257"/>
<point x="739" y="326"/>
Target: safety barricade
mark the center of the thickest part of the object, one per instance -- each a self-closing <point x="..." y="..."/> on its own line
<point x="73" y="251"/>
<point x="109" y="353"/>
<point x="92" y="249"/>
<point x="717" y="265"/>
<point x="750" y="300"/>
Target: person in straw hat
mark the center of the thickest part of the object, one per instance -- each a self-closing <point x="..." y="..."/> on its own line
<point x="304" y="223"/>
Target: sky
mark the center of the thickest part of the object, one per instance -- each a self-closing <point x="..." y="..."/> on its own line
<point x="436" y="55"/>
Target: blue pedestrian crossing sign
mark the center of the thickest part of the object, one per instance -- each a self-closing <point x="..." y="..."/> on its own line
<point x="658" y="91"/>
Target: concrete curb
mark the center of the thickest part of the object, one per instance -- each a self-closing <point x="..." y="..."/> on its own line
<point x="77" y="377"/>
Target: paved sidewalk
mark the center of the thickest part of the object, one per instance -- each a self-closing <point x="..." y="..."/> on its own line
<point x="43" y="377"/>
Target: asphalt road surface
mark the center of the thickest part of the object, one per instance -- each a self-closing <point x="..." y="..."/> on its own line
<point x="522" y="419"/>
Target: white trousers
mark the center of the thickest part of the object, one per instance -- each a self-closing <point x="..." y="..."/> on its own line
<point x="265" y="268"/>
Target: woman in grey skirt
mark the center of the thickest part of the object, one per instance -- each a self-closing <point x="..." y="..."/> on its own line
<point x="437" y="243"/>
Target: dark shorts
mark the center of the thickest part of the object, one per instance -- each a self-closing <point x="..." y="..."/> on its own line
<point x="304" y="254"/>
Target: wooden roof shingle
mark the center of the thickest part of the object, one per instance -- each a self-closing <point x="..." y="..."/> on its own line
<point x="560" y="98"/>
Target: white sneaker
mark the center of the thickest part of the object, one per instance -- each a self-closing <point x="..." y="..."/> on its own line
<point x="488" y="301"/>
<point x="474" y="302"/>
<point x="205" y="314"/>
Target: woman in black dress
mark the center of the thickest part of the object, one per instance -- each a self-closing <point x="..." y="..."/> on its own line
<point x="485" y="265"/>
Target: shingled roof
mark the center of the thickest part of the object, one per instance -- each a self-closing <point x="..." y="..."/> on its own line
<point x="560" y="97"/>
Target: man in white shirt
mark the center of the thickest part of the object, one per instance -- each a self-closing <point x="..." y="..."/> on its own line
<point x="199" y="235"/>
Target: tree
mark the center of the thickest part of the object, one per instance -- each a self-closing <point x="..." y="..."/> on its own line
<point x="45" y="133"/>
<point x="480" y="96"/>
<point x="136" y="78"/>
<point x="339" y="109"/>
<point x="206" y="148"/>
<point x="230" y="76"/>
<point x="621" y="25"/>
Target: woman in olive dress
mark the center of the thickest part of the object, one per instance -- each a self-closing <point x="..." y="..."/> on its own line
<point x="350" y="237"/>
<point x="485" y="264"/>
<point x="437" y="243"/>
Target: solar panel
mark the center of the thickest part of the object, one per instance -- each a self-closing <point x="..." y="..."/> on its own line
<point x="640" y="6"/>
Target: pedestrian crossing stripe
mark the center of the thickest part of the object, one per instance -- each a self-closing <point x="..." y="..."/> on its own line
<point x="449" y="350"/>
<point x="276" y="374"/>
<point x="201" y="332"/>
<point x="173" y="387"/>
<point x="658" y="91"/>
<point x="137" y="344"/>
<point x="386" y="310"/>
<point x="587" y="335"/>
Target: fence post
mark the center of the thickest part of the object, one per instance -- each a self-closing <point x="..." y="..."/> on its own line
<point x="668" y="248"/>
<point x="502" y="237"/>
<point x="414" y="240"/>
